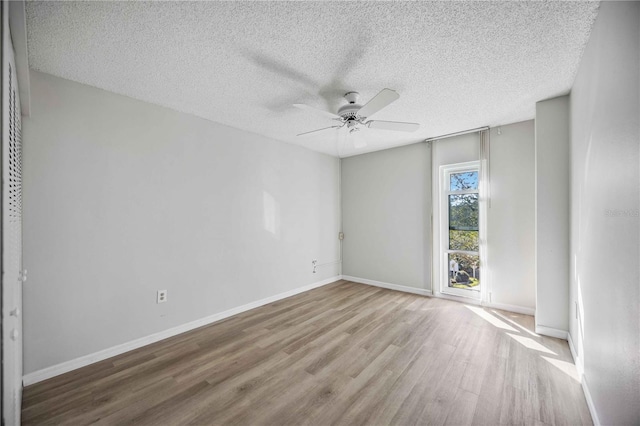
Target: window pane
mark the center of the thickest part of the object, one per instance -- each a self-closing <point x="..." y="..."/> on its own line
<point x="463" y="240"/>
<point x="464" y="271"/>
<point x="463" y="181"/>
<point x="463" y="212"/>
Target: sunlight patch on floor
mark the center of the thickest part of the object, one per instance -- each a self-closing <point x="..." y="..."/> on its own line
<point x="515" y="323"/>
<point x="490" y="318"/>
<point x="531" y="344"/>
<point x="566" y="367"/>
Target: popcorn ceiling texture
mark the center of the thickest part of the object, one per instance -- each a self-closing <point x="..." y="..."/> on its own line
<point x="456" y="65"/>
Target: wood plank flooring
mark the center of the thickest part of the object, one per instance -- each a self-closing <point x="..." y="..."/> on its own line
<point x="344" y="353"/>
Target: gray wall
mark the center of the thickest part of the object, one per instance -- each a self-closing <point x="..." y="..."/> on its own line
<point x="123" y="198"/>
<point x="386" y="207"/>
<point x="552" y="214"/>
<point x="510" y="217"/>
<point x="605" y="187"/>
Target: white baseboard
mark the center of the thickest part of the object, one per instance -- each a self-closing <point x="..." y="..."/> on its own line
<point x="592" y="407"/>
<point x="65" y="367"/>
<point x="425" y="292"/>
<point x="583" y="381"/>
<point x="404" y="288"/>
<point x="574" y="354"/>
<point x="502" y="306"/>
<point x="461" y="299"/>
<point x="552" y="332"/>
<point x="511" y="308"/>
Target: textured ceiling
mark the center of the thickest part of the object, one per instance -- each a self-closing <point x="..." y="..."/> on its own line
<point x="456" y="65"/>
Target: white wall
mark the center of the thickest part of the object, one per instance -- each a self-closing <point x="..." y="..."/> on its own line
<point x="552" y="216"/>
<point x="122" y="198"/>
<point x="510" y="217"/>
<point x="386" y="210"/>
<point x="605" y="276"/>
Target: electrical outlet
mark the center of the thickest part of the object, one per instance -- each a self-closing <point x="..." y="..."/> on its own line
<point x="314" y="262"/>
<point x="162" y="296"/>
<point x="341" y="236"/>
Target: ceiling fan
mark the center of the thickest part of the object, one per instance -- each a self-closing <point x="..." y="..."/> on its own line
<point x="354" y="116"/>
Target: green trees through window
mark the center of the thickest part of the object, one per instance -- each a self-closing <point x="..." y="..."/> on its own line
<point x="463" y="209"/>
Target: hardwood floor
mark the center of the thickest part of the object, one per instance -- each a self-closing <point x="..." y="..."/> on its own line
<point x="344" y="353"/>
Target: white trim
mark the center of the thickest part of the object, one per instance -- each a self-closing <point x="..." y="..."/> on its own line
<point x="552" y="332"/>
<point x="18" y="27"/>
<point x="460" y="299"/>
<point x="574" y="354"/>
<point x="64" y="367"/>
<point x="590" y="404"/>
<point x="424" y="292"/>
<point x="444" y="191"/>
<point x="585" y="389"/>
<point x="511" y="308"/>
<point x="503" y="307"/>
<point x="403" y="288"/>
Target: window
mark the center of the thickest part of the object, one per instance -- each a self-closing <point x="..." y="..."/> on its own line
<point x="460" y="229"/>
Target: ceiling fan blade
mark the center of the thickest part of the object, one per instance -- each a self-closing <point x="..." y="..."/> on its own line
<point x="317" y="111"/>
<point x="313" y="131"/>
<point x="393" y="125"/>
<point x="379" y="101"/>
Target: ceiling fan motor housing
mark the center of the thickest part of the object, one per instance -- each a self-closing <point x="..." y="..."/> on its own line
<point x="352" y="97"/>
<point x="349" y="112"/>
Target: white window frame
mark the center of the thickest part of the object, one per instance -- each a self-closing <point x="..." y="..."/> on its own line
<point x="445" y="172"/>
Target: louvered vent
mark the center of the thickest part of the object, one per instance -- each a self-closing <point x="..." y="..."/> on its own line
<point x="15" y="170"/>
